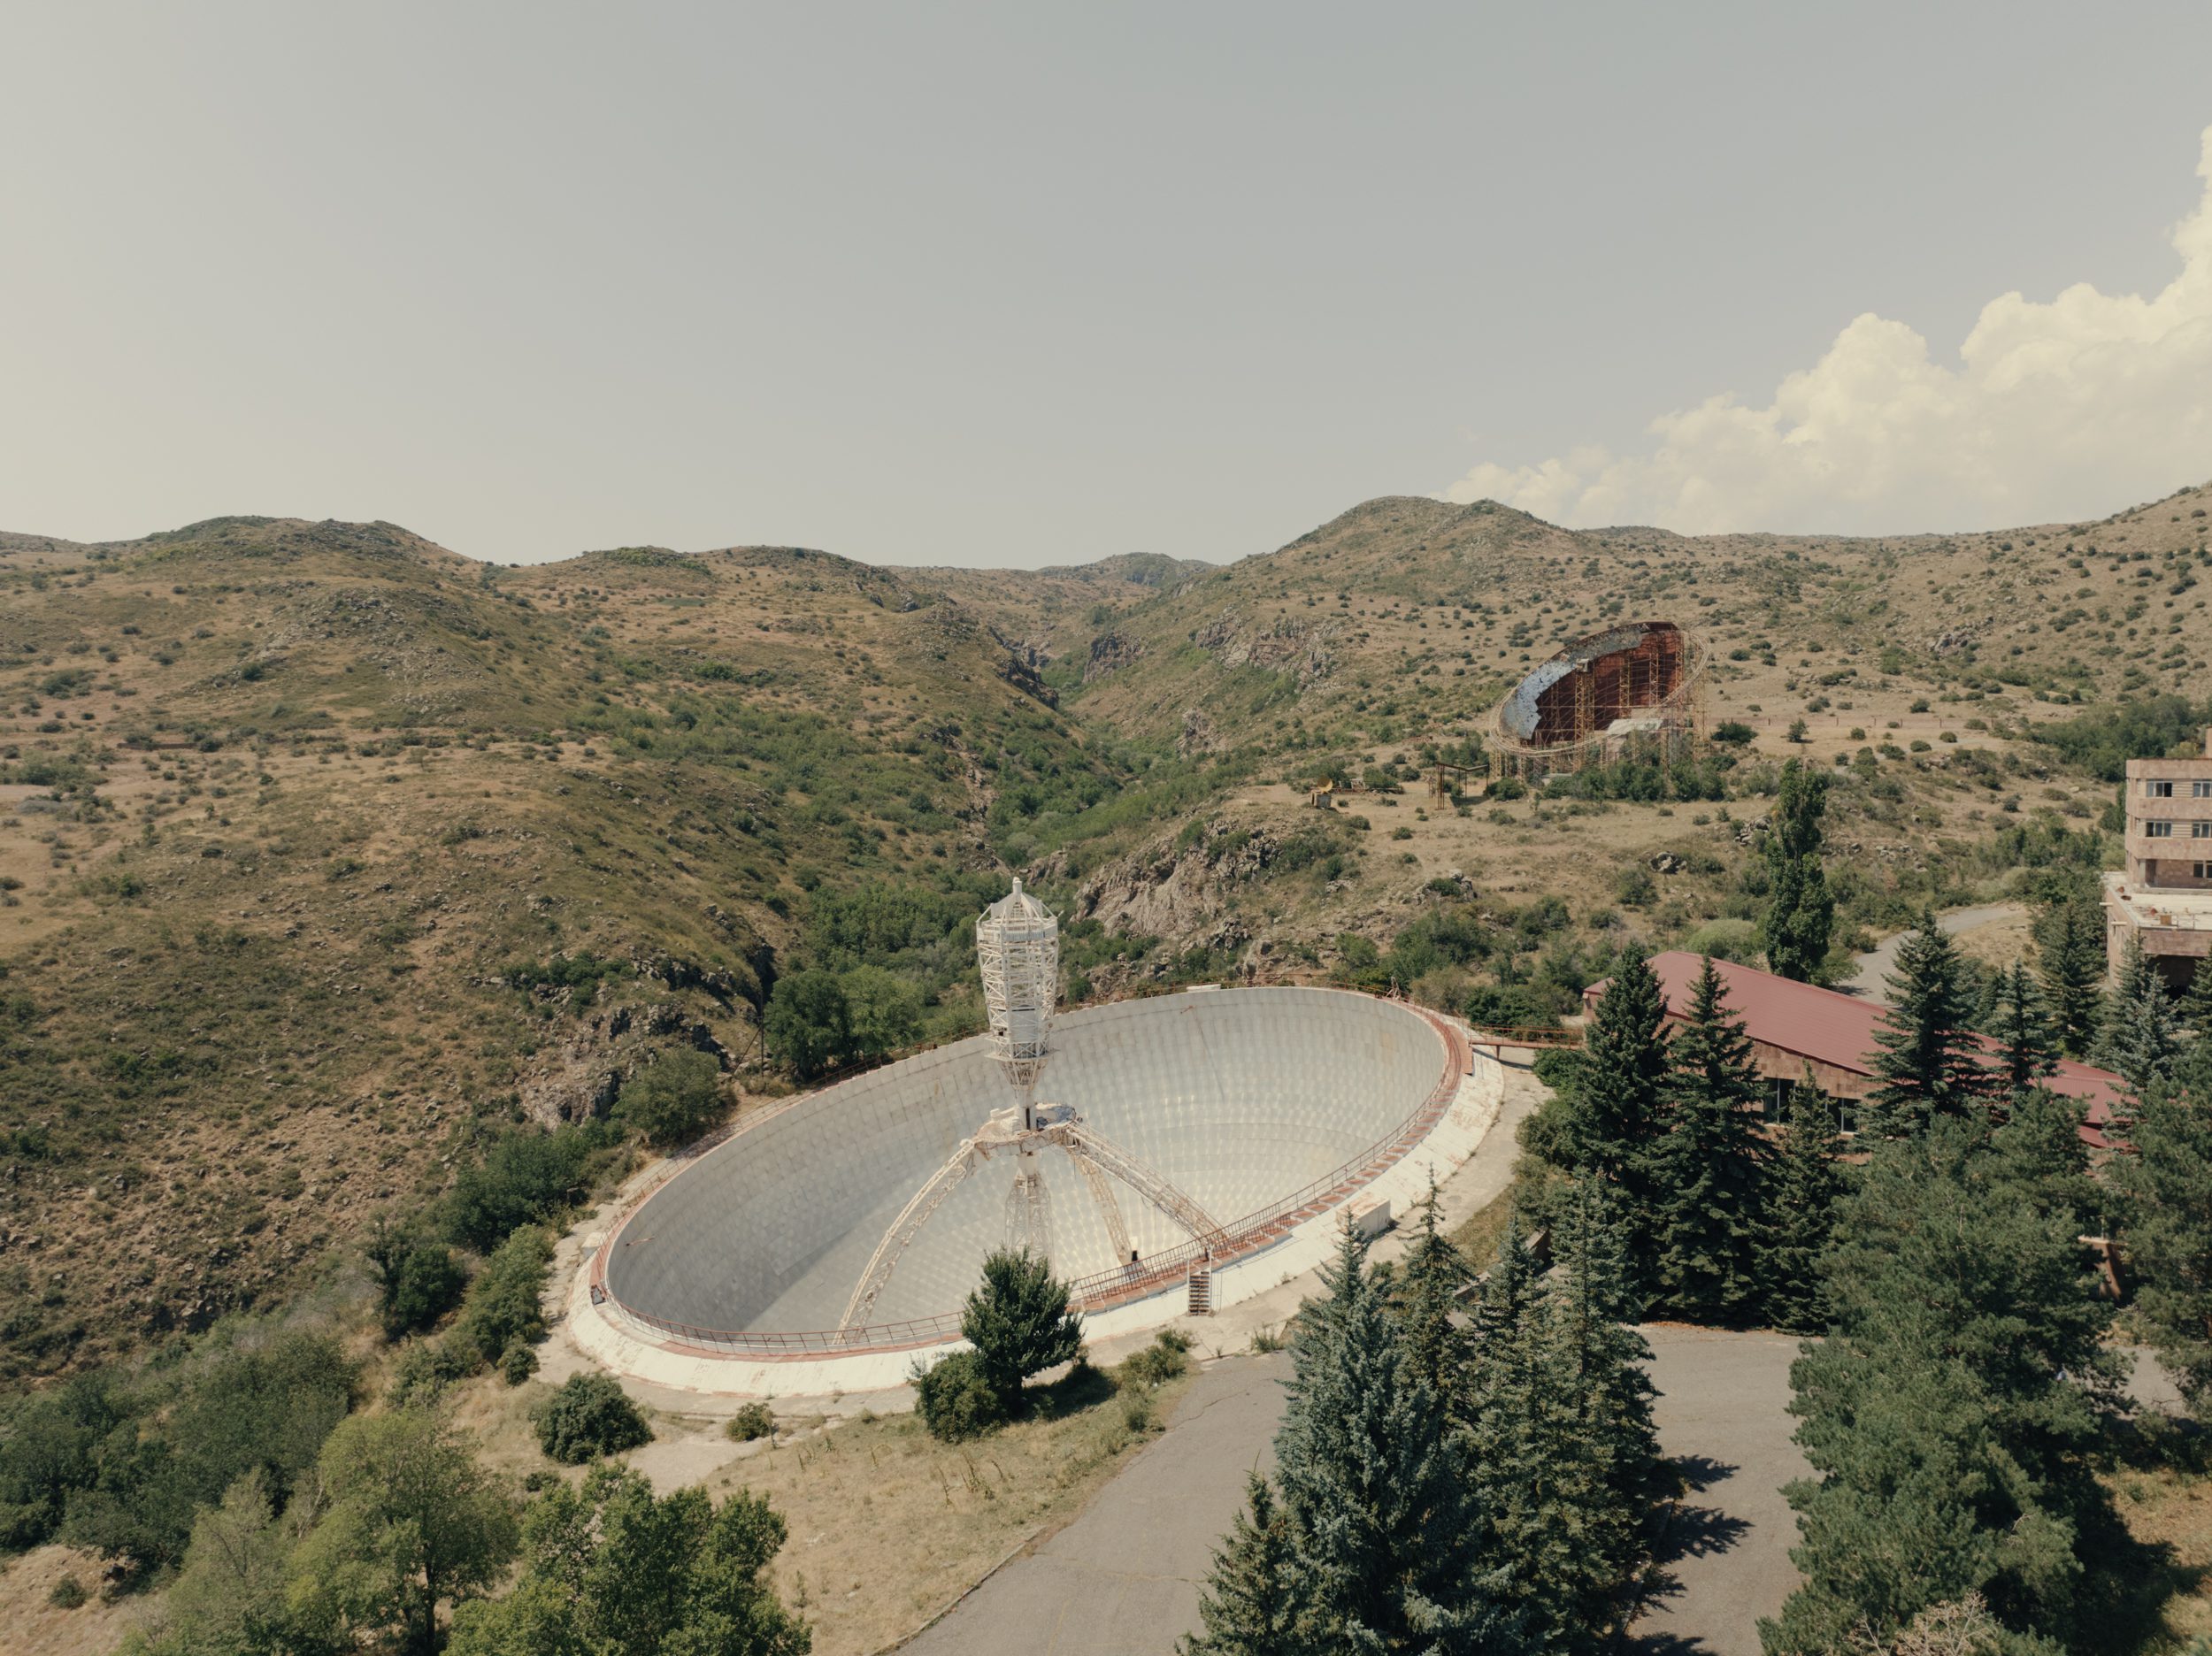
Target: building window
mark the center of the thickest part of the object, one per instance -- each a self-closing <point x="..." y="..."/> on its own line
<point x="1778" y="1099"/>
<point x="2200" y="790"/>
<point x="2204" y="870"/>
<point x="2159" y="790"/>
<point x="2159" y="829"/>
<point x="2200" y="831"/>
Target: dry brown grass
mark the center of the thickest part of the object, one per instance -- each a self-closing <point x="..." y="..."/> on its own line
<point x="2171" y="1509"/>
<point x="31" y="1624"/>
<point x="889" y="1527"/>
<point x="2001" y="942"/>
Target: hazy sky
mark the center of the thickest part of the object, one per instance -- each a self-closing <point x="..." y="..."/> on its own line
<point x="1036" y="283"/>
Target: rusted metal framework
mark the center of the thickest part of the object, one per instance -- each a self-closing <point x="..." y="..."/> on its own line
<point x="1635" y="689"/>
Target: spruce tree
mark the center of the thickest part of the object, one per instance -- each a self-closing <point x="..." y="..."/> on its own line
<point x="1375" y="1487"/>
<point x="1926" y="1054"/>
<point x="1253" y="1604"/>
<point x="1018" y="1321"/>
<point x="1801" y="913"/>
<point x="1952" y="1413"/>
<point x="1526" y="1514"/>
<point x="1805" y="1179"/>
<point x="1599" y="1449"/>
<point x="2166" y="1186"/>
<point x="1707" y="1221"/>
<point x="1607" y="1113"/>
<point x="2069" y="942"/>
<point x="2195" y="1010"/>
<point x="2041" y="1153"/>
<point x="1431" y="1279"/>
<point x="2142" y="1040"/>
<point x="2023" y="1029"/>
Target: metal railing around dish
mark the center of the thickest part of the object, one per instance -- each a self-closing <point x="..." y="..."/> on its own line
<point x="1102" y="1288"/>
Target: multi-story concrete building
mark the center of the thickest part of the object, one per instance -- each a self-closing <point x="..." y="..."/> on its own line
<point x="2163" y="899"/>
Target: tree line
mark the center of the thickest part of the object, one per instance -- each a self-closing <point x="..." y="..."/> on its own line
<point x="1489" y="1481"/>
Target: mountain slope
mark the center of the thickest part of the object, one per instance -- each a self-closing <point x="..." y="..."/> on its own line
<point x="326" y="853"/>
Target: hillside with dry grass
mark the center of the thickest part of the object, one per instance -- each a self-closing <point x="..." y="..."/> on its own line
<point x="327" y="855"/>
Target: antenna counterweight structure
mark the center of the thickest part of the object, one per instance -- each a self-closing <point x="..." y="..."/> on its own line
<point x="1017" y="951"/>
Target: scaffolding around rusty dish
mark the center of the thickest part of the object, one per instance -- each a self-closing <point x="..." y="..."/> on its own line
<point x="1636" y="688"/>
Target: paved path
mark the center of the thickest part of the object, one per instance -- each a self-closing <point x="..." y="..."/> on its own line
<point x="1124" y="1578"/>
<point x="1875" y="968"/>
<point x="1723" y="1409"/>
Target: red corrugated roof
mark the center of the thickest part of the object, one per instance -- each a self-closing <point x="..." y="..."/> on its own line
<point x="1831" y="1028"/>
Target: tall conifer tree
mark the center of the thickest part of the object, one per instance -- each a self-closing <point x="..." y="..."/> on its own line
<point x="1801" y="913"/>
<point x="2166" y="1186"/>
<point x="2195" y="1010"/>
<point x="1430" y="1283"/>
<point x="1952" y="1413"/>
<point x="1926" y="1054"/>
<point x="1253" y="1604"/>
<point x="1608" y="1113"/>
<point x="2141" y="1033"/>
<point x="1375" y="1487"/>
<point x="1527" y="1512"/>
<point x="2023" y="1032"/>
<point x="2070" y="940"/>
<point x="1600" y="1447"/>
<point x="1706" y="1187"/>
<point x="1804" y="1182"/>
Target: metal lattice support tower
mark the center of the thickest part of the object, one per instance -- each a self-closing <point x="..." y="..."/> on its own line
<point x="903" y="1229"/>
<point x="1029" y="1209"/>
<point x="1017" y="950"/>
<point x="1102" y="1191"/>
<point x="1147" y="1183"/>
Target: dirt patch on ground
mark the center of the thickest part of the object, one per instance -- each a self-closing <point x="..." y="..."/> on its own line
<point x="2000" y="942"/>
<point x="2173" y="1510"/>
<point x="37" y="1626"/>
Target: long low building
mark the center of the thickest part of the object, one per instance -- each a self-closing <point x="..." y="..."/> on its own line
<point x="1796" y="1027"/>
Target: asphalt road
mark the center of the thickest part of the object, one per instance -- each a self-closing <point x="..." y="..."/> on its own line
<point x="1722" y="1410"/>
<point x="1123" y="1579"/>
<point x="1875" y="968"/>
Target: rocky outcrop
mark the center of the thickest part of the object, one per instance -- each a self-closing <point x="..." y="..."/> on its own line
<point x="1178" y="892"/>
<point x="1286" y="646"/>
<point x="578" y="1077"/>
<point x="1110" y="652"/>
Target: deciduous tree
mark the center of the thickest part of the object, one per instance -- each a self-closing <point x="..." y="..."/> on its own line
<point x="411" y="1522"/>
<point x="1801" y="912"/>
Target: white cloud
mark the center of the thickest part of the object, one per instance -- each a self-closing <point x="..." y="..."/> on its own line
<point x="2054" y="411"/>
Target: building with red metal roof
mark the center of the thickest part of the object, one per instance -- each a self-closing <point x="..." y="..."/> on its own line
<point x="1796" y="1027"/>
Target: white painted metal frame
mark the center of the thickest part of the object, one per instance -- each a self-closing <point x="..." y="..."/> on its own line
<point x="1017" y="951"/>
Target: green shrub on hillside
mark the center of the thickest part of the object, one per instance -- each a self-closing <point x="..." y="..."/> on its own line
<point x="589" y="1417"/>
<point x="118" y="1465"/>
<point x="674" y="1099"/>
<point x="504" y="1303"/>
<point x="526" y="1177"/>
<point x="954" y="1399"/>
